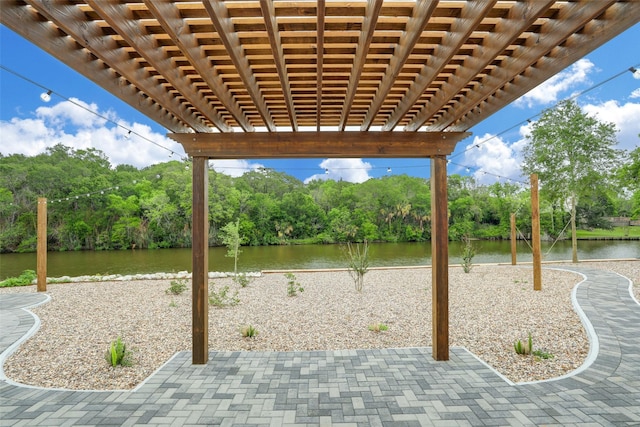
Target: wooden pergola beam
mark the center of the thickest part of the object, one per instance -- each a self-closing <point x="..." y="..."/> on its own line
<point x="496" y="41"/>
<point x="121" y="20"/>
<point x="318" y="144"/>
<point x="511" y="76"/>
<point x="269" y="12"/>
<point x="24" y="20"/>
<point x="220" y="18"/>
<point x="415" y="26"/>
<point x="169" y="17"/>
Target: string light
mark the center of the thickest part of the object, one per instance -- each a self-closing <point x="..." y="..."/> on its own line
<point x="530" y="119"/>
<point x="47" y="96"/>
<point x="484" y="173"/>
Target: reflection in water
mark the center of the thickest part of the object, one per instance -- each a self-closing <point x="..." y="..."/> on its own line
<point x="298" y="257"/>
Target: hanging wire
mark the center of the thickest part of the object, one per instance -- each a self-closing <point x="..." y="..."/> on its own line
<point x="530" y="119"/>
<point x="130" y="132"/>
<point x="107" y="119"/>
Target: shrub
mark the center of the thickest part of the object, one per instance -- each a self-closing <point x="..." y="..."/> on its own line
<point x="378" y="327"/>
<point x="177" y="287"/>
<point x="542" y="354"/>
<point x="242" y="279"/>
<point x="249" y="331"/>
<point x="293" y="287"/>
<point x="118" y="354"/>
<point x="26" y="278"/>
<point x="468" y="252"/>
<point x="358" y="260"/>
<point x="222" y="298"/>
<point x="525" y="348"/>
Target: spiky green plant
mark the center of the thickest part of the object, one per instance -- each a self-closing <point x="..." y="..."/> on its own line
<point x="118" y="354"/>
<point x="249" y="331"/>
<point x="525" y="348"/>
<point x="468" y="252"/>
<point x="358" y="259"/>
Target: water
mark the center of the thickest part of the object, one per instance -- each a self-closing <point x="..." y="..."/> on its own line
<point x="298" y="257"/>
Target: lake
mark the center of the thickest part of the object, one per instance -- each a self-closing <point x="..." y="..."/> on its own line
<point x="299" y="257"/>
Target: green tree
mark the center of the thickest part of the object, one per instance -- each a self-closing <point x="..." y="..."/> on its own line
<point x="629" y="177"/>
<point x="232" y="240"/>
<point x="570" y="150"/>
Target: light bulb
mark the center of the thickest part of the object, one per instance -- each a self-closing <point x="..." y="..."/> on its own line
<point x="46" y="96"/>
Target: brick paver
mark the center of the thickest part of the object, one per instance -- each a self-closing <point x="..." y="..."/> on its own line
<point x="383" y="387"/>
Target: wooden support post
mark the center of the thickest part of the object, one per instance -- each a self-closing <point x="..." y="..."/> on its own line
<point x="535" y="234"/>
<point x="41" y="248"/>
<point x="513" y="239"/>
<point x="439" y="258"/>
<point x="200" y="259"/>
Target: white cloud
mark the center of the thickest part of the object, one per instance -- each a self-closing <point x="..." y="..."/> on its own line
<point x="626" y="117"/>
<point x="549" y="91"/>
<point x="635" y="94"/>
<point x="233" y="167"/>
<point x="74" y="112"/>
<point x="351" y="170"/>
<point x="75" y="127"/>
<point x="492" y="158"/>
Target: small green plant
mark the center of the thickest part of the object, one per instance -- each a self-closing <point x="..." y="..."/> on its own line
<point x="468" y="252"/>
<point x="222" y="298"/>
<point x="242" y="279"/>
<point x="177" y="287"/>
<point x="173" y="304"/>
<point x="378" y="327"/>
<point x="231" y="238"/>
<point x="525" y="348"/>
<point x="118" y="354"/>
<point x="542" y="354"/>
<point x="358" y="261"/>
<point x="249" y="331"/>
<point x="293" y="287"/>
<point x="24" y="279"/>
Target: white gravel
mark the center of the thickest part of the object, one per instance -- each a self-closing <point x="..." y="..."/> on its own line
<point x="490" y="308"/>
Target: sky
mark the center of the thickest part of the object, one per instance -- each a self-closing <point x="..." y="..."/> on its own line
<point x="82" y="115"/>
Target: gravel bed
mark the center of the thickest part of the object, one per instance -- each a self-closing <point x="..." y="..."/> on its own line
<point x="490" y="308"/>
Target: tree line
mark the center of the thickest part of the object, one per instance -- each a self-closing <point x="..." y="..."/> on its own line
<point x="94" y="205"/>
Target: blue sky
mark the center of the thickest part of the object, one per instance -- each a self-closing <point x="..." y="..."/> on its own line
<point x="28" y="125"/>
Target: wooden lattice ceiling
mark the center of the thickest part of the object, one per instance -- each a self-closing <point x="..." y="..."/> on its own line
<point x="223" y="65"/>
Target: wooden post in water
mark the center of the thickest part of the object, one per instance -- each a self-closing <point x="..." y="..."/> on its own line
<point x="535" y="234"/>
<point x="200" y="259"/>
<point x="513" y="239"/>
<point x="41" y="248"/>
<point x="439" y="259"/>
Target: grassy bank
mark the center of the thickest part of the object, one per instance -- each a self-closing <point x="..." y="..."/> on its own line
<point x="614" y="233"/>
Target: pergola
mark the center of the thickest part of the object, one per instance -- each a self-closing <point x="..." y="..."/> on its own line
<point x="299" y="79"/>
